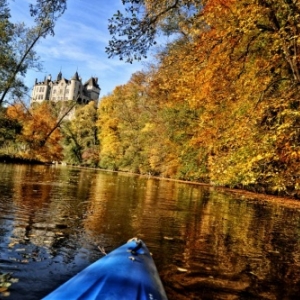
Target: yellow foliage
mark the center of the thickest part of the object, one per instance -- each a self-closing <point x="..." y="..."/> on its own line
<point x="221" y="104"/>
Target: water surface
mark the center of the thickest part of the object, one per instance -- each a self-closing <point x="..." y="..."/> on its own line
<point x="207" y="243"/>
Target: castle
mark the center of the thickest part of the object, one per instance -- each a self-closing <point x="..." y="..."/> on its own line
<point x="63" y="89"/>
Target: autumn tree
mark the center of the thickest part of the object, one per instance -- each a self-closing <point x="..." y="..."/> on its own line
<point x="108" y="132"/>
<point x="236" y="72"/>
<point x="40" y="135"/>
<point x="224" y="97"/>
<point x="256" y="86"/>
<point x="118" y="124"/>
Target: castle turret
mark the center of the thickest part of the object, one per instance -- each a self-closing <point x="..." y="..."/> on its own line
<point x="75" y="77"/>
<point x="59" y="76"/>
<point x="74" y="87"/>
<point x="93" y="88"/>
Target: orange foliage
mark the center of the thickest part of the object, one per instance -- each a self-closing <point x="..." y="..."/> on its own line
<point x="40" y="136"/>
<point x="16" y="112"/>
<point x="222" y="105"/>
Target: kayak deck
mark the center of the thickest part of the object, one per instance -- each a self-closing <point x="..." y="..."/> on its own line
<point x="127" y="273"/>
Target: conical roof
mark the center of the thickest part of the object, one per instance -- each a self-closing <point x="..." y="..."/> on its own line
<point x="75" y="77"/>
<point x="59" y="76"/>
<point x="93" y="82"/>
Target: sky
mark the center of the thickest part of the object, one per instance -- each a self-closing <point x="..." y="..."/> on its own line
<point x="81" y="36"/>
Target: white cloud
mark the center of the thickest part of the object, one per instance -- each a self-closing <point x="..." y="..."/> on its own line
<point x="79" y="44"/>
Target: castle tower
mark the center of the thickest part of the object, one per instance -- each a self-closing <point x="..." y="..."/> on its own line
<point x="74" y="87"/>
<point x="93" y="89"/>
<point x="59" y="76"/>
<point x="40" y="91"/>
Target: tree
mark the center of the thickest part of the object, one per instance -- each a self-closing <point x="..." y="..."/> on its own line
<point x="135" y="31"/>
<point x="9" y="129"/>
<point x="224" y="98"/>
<point x="7" y="59"/>
<point x="40" y="135"/>
<point x="108" y="132"/>
<point x="18" y="42"/>
<point x="81" y="145"/>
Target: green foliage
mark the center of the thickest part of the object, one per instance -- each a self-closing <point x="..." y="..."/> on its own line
<point x="134" y="31"/>
<point x="9" y="129"/>
<point x="80" y="137"/>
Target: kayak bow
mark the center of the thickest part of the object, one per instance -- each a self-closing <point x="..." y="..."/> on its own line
<point x="127" y="273"/>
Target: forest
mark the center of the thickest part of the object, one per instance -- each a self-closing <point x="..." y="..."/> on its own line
<point x="220" y="104"/>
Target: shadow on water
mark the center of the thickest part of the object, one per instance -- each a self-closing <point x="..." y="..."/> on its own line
<point x="206" y="244"/>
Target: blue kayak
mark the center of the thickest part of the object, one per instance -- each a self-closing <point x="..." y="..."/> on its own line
<point x="127" y="273"/>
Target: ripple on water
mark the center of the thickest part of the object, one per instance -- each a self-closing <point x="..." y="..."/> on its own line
<point x="206" y="244"/>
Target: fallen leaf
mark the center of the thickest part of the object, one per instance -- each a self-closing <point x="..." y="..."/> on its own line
<point x="182" y="270"/>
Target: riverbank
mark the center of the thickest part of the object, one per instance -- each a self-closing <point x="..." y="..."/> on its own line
<point x="4" y="158"/>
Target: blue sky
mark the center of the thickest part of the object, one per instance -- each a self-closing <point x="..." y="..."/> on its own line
<point x="79" y="44"/>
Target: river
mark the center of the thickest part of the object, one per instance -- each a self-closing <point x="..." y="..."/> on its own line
<point x="207" y="243"/>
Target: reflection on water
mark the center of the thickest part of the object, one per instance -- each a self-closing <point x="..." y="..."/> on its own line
<point x="207" y="244"/>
